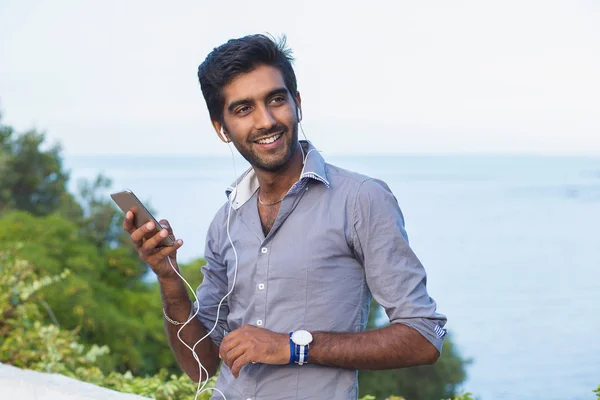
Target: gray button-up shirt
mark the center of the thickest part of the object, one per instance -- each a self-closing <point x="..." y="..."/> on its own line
<point x="339" y="239"/>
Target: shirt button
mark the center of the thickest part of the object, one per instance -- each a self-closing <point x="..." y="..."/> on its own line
<point x="261" y="286"/>
<point x="264" y="250"/>
<point x="259" y="322"/>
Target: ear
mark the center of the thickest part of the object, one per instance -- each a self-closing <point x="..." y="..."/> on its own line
<point x="220" y="129"/>
<point x="298" y="106"/>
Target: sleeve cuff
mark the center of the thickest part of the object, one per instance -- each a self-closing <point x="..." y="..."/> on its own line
<point x="433" y="331"/>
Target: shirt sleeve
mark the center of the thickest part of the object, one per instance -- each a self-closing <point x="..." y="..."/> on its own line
<point x="394" y="274"/>
<point x="213" y="288"/>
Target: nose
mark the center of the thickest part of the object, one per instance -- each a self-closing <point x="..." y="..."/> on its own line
<point x="263" y="119"/>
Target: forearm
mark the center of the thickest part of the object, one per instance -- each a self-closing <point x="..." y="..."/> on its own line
<point x="393" y="346"/>
<point x="177" y="306"/>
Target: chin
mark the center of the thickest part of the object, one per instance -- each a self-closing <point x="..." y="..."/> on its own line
<point x="272" y="166"/>
<point x="275" y="162"/>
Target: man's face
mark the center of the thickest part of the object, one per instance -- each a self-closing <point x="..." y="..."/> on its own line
<point x="260" y="118"/>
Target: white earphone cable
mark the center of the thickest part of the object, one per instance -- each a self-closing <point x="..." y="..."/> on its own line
<point x="202" y="384"/>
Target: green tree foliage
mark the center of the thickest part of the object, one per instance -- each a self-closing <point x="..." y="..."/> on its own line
<point x="465" y="396"/>
<point x="99" y="297"/>
<point x="29" y="343"/>
<point x="441" y="380"/>
<point x="106" y="297"/>
<point x="31" y="179"/>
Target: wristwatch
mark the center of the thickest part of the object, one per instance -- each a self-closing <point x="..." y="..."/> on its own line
<point x="299" y="342"/>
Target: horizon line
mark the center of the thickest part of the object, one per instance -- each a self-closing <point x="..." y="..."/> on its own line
<point x="330" y="154"/>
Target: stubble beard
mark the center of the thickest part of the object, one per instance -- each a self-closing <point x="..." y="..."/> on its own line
<point x="275" y="164"/>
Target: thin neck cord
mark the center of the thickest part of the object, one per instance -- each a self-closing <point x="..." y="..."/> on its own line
<point x="268" y="204"/>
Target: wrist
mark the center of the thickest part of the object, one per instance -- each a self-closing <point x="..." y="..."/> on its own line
<point x="177" y="312"/>
<point x="180" y="312"/>
<point x="174" y="294"/>
<point x="167" y="270"/>
<point x="169" y="278"/>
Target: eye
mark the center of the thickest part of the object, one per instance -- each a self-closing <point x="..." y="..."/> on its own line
<point x="242" y="110"/>
<point x="277" y="100"/>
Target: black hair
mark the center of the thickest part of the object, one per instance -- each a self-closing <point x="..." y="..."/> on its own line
<point x="239" y="56"/>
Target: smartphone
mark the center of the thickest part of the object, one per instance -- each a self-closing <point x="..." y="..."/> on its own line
<point x="126" y="201"/>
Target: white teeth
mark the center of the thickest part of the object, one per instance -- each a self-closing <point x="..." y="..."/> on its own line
<point x="269" y="140"/>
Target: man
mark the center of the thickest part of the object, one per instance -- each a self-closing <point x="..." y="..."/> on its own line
<point x="299" y="248"/>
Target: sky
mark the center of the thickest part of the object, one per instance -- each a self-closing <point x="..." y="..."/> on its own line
<point x="398" y="77"/>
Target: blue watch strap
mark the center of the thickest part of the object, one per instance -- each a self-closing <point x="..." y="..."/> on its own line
<point x="292" y="349"/>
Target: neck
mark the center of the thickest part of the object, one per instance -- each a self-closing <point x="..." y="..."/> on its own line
<point x="275" y="184"/>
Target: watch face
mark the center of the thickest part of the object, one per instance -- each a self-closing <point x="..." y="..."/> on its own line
<point x="301" y="338"/>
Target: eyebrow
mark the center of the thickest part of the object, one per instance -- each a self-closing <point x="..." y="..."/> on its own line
<point x="272" y="93"/>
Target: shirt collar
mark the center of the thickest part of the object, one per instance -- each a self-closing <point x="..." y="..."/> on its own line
<point x="247" y="183"/>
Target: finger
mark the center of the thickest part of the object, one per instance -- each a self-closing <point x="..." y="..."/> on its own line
<point x="151" y="244"/>
<point x="239" y="364"/>
<point x="225" y="345"/>
<point x="128" y="222"/>
<point x="144" y="231"/>
<point x="230" y="341"/>
<point x="233" y="355"/>
<point x="165" y="252"/>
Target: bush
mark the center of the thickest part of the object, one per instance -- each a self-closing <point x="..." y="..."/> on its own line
<point x="466" y="396"/>
<point x="100" y="298"/>
<point x="28" y="343"/>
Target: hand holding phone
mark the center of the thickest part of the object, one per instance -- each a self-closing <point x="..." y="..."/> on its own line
<point x="153" y="241"/>
<point x="128" y="201"/>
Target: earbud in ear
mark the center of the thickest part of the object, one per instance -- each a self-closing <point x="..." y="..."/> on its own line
<point x="223" y="136"/>
<point x="299" y="114"/>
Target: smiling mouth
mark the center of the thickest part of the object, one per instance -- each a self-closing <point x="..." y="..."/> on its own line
<point x="269" y="140"/>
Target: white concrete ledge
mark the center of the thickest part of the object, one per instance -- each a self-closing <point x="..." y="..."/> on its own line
<point x="21" y="384"/>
